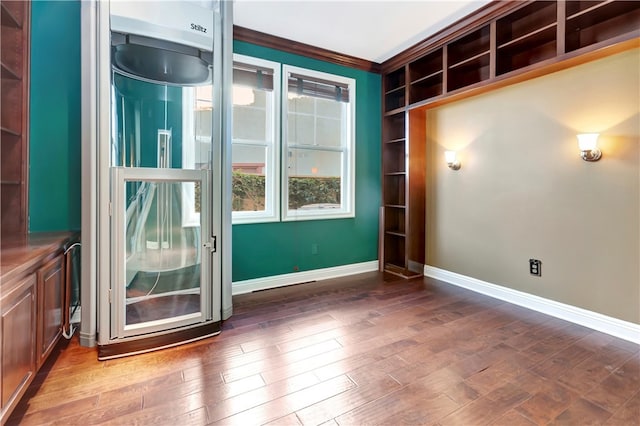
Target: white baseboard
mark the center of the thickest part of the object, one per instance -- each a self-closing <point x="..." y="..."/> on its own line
<point x="247" y="286"/>
<point x="613" y="326"/>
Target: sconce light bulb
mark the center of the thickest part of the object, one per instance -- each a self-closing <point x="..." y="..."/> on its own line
<point x="452" y="162"/>
<point x="588" y="144"/>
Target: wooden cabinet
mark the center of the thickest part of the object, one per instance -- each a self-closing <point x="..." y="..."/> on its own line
<point x="14" y="61"/>
<point x="33" y="287"/>
<point x="18" y="341"/>
<point x="501" y="43"/>
<point x="51" y="286"/>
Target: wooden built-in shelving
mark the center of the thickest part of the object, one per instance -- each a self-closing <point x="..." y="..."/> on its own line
<point x="394" y="86"/>
<point x="501" y="43"/>
<point x="14" y="65"/>
<point x="426" y="76"/>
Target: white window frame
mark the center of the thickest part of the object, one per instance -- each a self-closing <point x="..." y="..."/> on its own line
<point x="271" y="212"/>
<point x="347" y="183"/>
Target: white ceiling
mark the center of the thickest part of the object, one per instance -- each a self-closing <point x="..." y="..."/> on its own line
<point x="374" y="30"/>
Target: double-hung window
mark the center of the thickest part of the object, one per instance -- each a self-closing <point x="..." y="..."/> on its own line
<point x="255" y="159"/>
<point x="318" y="144"/>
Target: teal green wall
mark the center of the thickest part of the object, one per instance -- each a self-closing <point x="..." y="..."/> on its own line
<point x="261" y="250"/>
<point x="54" y="143"/>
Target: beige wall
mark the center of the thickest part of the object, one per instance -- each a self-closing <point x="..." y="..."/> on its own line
<point x="523" y="191"/>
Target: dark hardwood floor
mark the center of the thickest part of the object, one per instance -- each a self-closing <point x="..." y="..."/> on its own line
<point x="361" y="350"/>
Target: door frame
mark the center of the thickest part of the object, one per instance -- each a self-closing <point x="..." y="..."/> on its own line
<point x="120" y="176"/>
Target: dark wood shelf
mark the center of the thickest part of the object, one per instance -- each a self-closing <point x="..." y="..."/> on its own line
<point x="427" y="88"/>
<point x="395" y="111"/>
<point x="426" y="66"/>
<point x="394" y="269"/>
<point x="395" y="79"/>
<point x="527" y="50"/>
<point x="394" y="101"/>
<point x="471" y="71"/>
<point x="469" y="61"/>
<point x="9" y="73"/>
<point x="395" y="90"/>
<point x="9" y="19"/>
<point x="600" y="23"/>
<point x="14" y="66"/>
<point x="427" y="77"/>
<point x="468" y="47"/>
<point x="525" y="21"/>
<point x="10" y="131"/>
<point x="395" y="233"/>
<point x="398" y="140"/>
<point x="577" y="8"/>
<point x="526" y="41"/>
<point x="394" y="125"/>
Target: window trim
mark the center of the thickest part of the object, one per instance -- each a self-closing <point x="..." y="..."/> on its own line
<point x="272" y="175"/>
<point x="348" y="178"/>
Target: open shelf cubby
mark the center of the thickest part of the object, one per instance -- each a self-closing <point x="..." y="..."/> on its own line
<point x="395" y="89"/>
<point x="468" y="59"/>
<point x="589" y="23"/>
<point x="395" y="186"/>
<point x="526" y="36"/>
<point x="394" y="157"/>
<point x="425" y="76"/>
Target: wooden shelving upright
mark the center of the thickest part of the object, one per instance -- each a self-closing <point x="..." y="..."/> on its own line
<point x="501" y="43"/>
<point x="14" y="61"/>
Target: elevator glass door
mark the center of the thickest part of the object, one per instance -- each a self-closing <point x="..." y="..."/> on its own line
<point x="160" y="190"/>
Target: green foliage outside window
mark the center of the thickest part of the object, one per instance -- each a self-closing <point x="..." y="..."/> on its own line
<point x="248" y="191"/>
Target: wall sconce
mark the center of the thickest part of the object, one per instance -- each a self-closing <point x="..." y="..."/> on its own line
<point x="452" y="162"/>
<point x="588" y="144"/>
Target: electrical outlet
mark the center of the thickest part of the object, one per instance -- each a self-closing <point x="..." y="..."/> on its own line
<point x="535" y="267"/>
<point x="314" y="248"/>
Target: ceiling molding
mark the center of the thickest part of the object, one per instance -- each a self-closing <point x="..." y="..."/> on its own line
<point x="479" y="17"/>
<point x="290" y="46"/>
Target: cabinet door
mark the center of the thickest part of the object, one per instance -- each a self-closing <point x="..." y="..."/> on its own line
<point x="50" y="303"/>
<point x="18" y="323"/>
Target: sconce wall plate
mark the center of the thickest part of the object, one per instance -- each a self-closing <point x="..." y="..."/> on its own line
<point x="591" y="155"/>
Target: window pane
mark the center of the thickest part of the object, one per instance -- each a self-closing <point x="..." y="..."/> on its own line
<point x="249" y="180"/>
<point x="328" y="132"/>
<point x="250" y="121"/>
<point x="320" y="127"/>
<point x="300" y="129"/>
<point x="301" y="104"/>
<point x="329" y="108"/>
<point x="314" y="179"/>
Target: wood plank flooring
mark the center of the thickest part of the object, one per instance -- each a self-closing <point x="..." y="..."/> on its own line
<point x="367" y="349"/>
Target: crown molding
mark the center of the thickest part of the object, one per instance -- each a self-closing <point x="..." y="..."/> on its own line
<point x="290" y="46"/>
